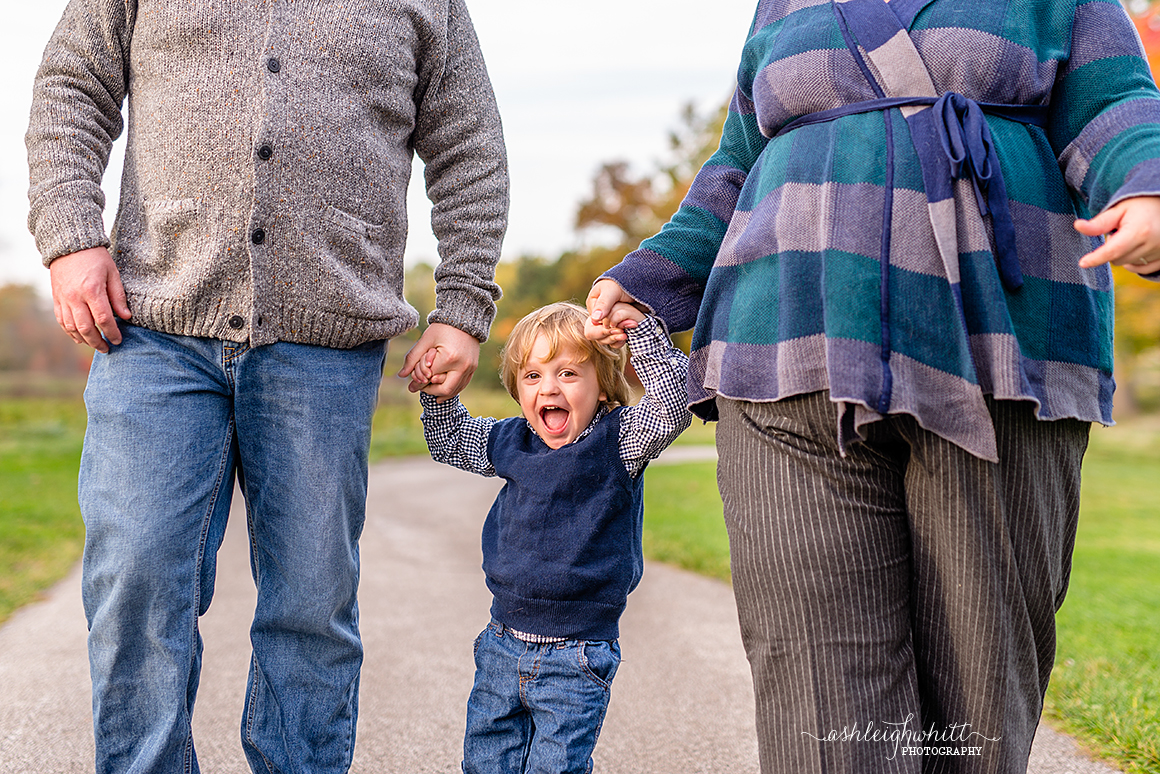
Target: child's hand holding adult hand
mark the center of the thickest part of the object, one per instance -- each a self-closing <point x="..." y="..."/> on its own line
<point x="609" y="306"/>
<point x="442" y="361"/>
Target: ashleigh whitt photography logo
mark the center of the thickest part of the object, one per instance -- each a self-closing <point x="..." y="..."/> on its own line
<point x="956" y="739"/>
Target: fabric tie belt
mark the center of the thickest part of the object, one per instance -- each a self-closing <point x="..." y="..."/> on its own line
<point x="966" y="141"/>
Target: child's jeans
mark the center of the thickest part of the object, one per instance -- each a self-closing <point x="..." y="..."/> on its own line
<point x="536" y="707"/>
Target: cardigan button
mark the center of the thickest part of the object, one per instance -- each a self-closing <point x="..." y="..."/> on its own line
<point x="265" y="152"/>
<point x="258" y="237"/>
<point x="273" y="65"/>
<point x="236" y="322"/>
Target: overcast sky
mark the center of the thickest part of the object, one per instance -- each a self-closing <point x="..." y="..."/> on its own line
<point x="578" y="84"/>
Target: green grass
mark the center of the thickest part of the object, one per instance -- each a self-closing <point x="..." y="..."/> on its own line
<point x="699" y="433"/>
<point x="683" y="523"/>
<point x="1105" y="688"/>
<point x="41" y="533"/>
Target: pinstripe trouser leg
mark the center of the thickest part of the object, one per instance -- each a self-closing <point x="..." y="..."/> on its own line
<point x="907" y="586"/>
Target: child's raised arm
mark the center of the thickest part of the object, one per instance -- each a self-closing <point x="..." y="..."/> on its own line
<point x="662" y="414"/>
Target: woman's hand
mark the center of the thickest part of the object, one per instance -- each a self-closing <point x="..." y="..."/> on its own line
<point x="1132" y="228"/>
<point x="602" y="324"/>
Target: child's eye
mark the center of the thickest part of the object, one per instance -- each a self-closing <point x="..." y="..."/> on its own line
<point x="567" y="373"/>
<point x="531" y="376"/>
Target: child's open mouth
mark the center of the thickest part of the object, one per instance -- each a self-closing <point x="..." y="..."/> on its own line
<point x="554" y="418"/>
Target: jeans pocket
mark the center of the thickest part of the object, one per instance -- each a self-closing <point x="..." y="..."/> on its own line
<point x="599" y="661"/>
<point x="478" y="639"/>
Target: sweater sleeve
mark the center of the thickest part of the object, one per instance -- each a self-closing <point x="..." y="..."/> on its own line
<point x="647" y="428"/>
<point x="1104" y="121"/>
<point x="460" y="140"/>
<point x="76" y="116"/>
<point x="456" y="438"/>
<point x="668" y="271"/>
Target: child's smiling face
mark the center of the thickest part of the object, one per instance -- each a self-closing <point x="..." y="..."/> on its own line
<point x="559" y="395"/>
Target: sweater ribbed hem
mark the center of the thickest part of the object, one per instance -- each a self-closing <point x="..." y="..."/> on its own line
<point x="314" y="327"/>
<point x="568" y="619"/>
<point x="326" y="329"/>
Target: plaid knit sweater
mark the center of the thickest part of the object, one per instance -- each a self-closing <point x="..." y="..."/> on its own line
<point x="873" y="249"/>
<point x="268" y="156"/>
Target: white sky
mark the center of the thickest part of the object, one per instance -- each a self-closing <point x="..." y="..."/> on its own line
<point x="578" y="84"/>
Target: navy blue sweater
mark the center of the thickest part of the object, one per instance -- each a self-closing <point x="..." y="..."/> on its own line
<point x="561" y="544"/>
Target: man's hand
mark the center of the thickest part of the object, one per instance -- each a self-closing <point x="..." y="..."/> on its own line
<point x="1133" y="229"/>
<point x="86" y="292"/>
<point x="442" y="361"/>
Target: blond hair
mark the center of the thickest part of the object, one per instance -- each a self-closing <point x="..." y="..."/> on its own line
<point x="562" y="324"/>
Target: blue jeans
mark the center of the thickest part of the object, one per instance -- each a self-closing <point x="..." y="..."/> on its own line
<point x="536" y="707"/>
<point x="172" y="420"/>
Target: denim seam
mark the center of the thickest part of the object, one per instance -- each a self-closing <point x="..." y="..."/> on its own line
<point x="250" y="714"/>
<point x="187" y="758"/>
<point x="532" y="673"/>
<point x="252" y="703"/>
<point x="198" y="570"/>
<point x="231" y="353"/>
<point x="348" y="753"/>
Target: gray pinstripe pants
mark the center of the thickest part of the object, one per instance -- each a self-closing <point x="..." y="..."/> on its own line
<point x="898" y="604"/>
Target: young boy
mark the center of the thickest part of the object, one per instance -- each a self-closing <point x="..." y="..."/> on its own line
<point x="562" y="542"/>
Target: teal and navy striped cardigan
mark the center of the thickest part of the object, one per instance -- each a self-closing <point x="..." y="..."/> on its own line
<point x="807" y="251"/>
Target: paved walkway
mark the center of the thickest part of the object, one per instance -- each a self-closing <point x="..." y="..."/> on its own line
<point x="682" y="701"/>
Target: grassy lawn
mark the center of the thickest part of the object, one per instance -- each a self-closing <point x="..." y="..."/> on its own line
<point x="1106" y="685"/>
<point x="683" y="523"/>
<point x="41" y="534"/>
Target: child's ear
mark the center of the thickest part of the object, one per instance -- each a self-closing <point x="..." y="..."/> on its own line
<point x="603" y="397"/>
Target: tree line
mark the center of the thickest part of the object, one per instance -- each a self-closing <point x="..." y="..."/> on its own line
<point x="30" y="339"/>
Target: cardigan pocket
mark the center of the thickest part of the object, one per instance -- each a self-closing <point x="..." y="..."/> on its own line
<point x="355" y="254"/>
<point x="344" y="220"/>
<point x="174" y="237"/>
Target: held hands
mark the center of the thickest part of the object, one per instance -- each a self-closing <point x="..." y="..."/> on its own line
<point x="442" y="361"/>
<point x="611" y="312"/>
<point x="86" y="293"/>
<point x="1133" y="230"/>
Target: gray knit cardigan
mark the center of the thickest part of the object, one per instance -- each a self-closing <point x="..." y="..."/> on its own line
<point x="268" y="155"/>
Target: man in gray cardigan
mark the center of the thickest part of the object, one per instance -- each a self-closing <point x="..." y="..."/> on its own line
<point x="256" y="266"/>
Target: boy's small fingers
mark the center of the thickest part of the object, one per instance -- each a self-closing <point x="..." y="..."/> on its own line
<point x="409" y="362"/>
